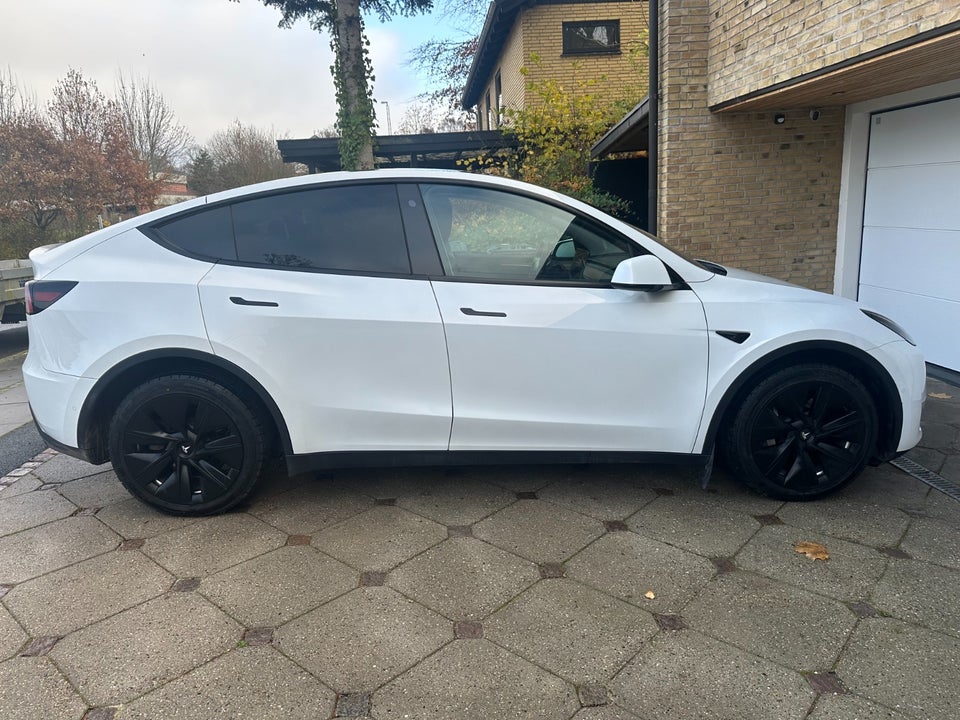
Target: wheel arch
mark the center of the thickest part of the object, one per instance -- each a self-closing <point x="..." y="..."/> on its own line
<point x="111" y="388"/>
<point x="847" y="357"/>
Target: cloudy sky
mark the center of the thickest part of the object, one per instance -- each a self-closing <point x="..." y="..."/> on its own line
<point x="215" y="61"/>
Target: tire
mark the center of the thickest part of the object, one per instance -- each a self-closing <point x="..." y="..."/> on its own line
<point x="802" y="433"/>
<point x="187" y="445"/>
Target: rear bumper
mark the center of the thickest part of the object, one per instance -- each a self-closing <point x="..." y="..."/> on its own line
<point x="55" y="401"/>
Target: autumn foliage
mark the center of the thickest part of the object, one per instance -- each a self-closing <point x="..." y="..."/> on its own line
<point x="68" y="163"/>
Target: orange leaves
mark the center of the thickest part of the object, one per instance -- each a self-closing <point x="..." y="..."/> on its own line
<point x="813" y="550"/>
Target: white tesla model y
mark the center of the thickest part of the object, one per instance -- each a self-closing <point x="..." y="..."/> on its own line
<point x="414" y="317"/>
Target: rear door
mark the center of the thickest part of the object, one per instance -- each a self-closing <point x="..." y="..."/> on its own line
<point x="320" y="306"/>
<point x="544" y="353"/>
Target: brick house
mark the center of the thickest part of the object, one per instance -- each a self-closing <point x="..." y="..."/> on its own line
<point x="817" y="141"/>
<point x="571" y="39"/>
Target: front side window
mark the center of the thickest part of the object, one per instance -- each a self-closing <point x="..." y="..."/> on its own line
<point x="590" y="38"/>
<point x="356" y="228"/>
<point x="485" y="234"/>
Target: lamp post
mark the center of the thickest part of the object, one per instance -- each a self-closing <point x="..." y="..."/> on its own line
<point x="389" y="125"/>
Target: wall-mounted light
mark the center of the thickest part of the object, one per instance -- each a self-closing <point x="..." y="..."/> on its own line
<point x="779" y="118"/>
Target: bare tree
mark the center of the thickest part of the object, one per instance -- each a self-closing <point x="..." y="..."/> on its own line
<point x="244" y="154"/>
<point x="159" y="139"/>
<point x="15" y="100"/>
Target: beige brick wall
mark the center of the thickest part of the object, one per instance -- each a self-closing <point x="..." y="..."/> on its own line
<point x="740" y="189"/>
<point x="539" y="31"/>
<point x="757" y="43"/>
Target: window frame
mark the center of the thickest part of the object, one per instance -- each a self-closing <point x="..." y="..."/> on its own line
<point x="605" y="50"/>
<point x="635" y="247"/>
<point x="153" y="232"/>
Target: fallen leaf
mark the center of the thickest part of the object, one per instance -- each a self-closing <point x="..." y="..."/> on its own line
<point x="649" y="595"/>
<point x="939" y="396"/>
<point x="814" y="551"/>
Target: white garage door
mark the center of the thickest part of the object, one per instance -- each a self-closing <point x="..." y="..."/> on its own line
<point x="910" y="257"/>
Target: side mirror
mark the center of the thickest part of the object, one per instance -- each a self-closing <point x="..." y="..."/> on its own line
<point x="644" y="272"/>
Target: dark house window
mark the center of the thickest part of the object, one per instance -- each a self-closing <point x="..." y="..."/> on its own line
<point x="488" y="111"/>
<point x="499" y="88"/>
<point x="591" y="38"/>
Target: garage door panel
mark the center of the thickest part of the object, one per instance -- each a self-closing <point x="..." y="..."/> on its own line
<point x="918" y="196"/>
<point x="911" y="261"/>
<point x="895" y="139"/>
<point x="932" y="322"/>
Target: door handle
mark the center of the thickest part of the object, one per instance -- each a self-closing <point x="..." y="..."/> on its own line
<point x="482" y="313"/>
<point x="254" y="303"/>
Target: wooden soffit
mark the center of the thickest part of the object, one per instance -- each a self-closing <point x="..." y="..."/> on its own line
<point x="891" y="70"/>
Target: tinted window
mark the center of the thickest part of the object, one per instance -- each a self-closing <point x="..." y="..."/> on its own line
<point x="494" y="235"/>
<point x="208" y="233"/>
<point x="356" y="228"/>
<point x="588" y="38"/>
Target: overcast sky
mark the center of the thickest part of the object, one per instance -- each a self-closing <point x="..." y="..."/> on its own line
<point x="213" y="60"/>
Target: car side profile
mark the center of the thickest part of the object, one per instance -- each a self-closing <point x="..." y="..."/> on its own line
<point x="435" y="317"/>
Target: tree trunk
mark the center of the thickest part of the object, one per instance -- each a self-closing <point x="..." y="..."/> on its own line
<point x="356" y="108"/>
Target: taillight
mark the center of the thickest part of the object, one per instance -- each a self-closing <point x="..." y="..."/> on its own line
<point x="41" y="294"/>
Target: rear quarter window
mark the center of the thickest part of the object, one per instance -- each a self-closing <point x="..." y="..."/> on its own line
<point x="207" y="234"/>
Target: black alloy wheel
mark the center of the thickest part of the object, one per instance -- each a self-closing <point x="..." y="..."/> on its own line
<point x="187" y="445"/>
<point x="803" y="432"/>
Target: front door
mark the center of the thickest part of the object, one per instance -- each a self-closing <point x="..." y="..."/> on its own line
<point x="544" y="353"/>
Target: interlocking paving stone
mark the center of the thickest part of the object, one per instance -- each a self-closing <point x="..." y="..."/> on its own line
<point x="873" y="525"/>
<point x="136" y="651"/>
<point x="520" y="478"/>
<point x="787" y="625"/>
<point x="606" y="712"/>
<point x="698" y="523"/>
<point x="33" y="689"/>
<point x="628" y="566"/>
<point x="895" y="553"/>
<point x="539" y="531"/>
<point x="670" y="622"/>
<point x="43" y="549"/>
<point x="724" y="564"/>
<point x="475" y="680"/>
<point x="850" y="707"/>
<point x="934" y="541"/>
<point x="364" y="638"/>
<point x="942" y="507"/>
<point x="133" y="519"/>
<point x="863" y="610"/>
<point x="904" y="667"/>
<point x="467" y="630"/>
<point x="380" y="538"/>
<point x="274" y="588"/>
<point x="460" y="531"/>
<point x="309" y="507"/>
<point x="82" y="594"/>
<point x="95" y="491"/>
<point x="456" y="501"/>
<point x="212" y="545"/>
<point x="372" y="578"/>
<point x="39" y="646"/>
<point x="12" y="635"/>
<point x="592" y="695"/>
<point x="930" y="459"/>
<point x="104" y="712"/>
<point x="63" y="468"/>
<point x="25" y="484"/>
<point x="849" y="574"/>
<point x="688" y="675"/>
<point x="223" y="689"/>
<point x="885" y="485"/>
<point x="581" y="634"/>
<point x="938" y="435"/>
<point x="464" y="578"/>
<point x="551" y="570"/>
<point x="132" y="544"/>
<point x="603" y="498"/>
<point x="32" y="509"/>
<point x="825" y="682"/>
<point x="353" y="705"/>
<point x="921" y="593"/>
<point x="188" y="584"/>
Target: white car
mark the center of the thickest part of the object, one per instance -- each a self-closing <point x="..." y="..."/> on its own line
<point x="419" y="317"/>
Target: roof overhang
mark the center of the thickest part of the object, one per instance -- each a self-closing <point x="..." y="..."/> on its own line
<point x="438" y="150"/>
<point x="925" y="59"/>
<point x="629" y="135"/>
<point x="496" y="28"/>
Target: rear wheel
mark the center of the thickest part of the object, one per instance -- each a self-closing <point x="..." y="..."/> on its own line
<point x="802" y="433"/>
<point x="187" y="445"/>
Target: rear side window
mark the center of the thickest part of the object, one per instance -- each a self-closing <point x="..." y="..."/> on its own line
<point x="208" y="234"/>
<point x="353" y="228"/>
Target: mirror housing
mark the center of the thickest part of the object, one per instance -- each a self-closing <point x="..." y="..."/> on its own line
<point x="644" y="272"/>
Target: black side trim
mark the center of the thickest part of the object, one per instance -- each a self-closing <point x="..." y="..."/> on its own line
<point x="737" y="336"/>
<point x="79" y="453"/>
<point x="307" y="462"/>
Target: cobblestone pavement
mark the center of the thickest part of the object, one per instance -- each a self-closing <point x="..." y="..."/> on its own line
<point x="595" y="593"/>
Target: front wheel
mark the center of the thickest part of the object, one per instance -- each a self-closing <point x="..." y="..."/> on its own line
<point x="802" y="433"/>
<point x="187" y="445"/>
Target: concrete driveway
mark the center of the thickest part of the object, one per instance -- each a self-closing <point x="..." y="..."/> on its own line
<point x="595" y="593"/>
